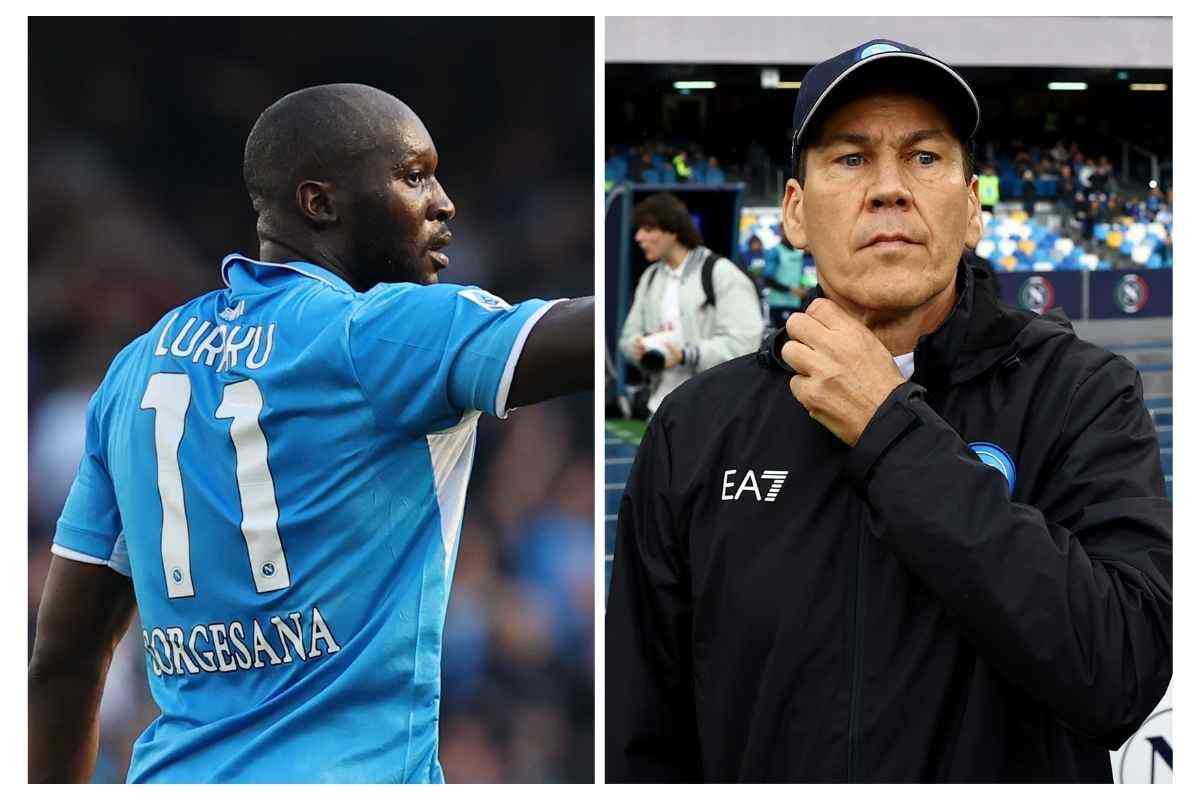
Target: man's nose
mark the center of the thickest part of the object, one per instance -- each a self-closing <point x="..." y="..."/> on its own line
<point x="889" y="188"/>
<point x="441" y="208"/>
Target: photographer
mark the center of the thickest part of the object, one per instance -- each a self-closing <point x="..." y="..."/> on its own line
<point x="692" y="308"/>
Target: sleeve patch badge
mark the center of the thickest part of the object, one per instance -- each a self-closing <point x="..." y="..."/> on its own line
<point x="994" y="456"/>
<point x="484" y="299"/>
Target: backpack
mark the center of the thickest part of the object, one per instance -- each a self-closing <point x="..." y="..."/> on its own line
<point x="706" y="279"/>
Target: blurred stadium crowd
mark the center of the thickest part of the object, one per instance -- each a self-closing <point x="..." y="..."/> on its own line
<point x="136" y="135"/>
<point x="1054" y="207"/>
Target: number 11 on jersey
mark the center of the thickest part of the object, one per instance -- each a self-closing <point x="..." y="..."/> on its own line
<point x="169" y="394"/>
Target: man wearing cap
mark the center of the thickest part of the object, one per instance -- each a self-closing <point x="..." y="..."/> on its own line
<point x="920" y="536"/>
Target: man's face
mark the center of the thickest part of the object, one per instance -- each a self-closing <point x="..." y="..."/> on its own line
<point x="885" y="209"/>
<point x="655" y="242"/>
<point x="399" y="217"/>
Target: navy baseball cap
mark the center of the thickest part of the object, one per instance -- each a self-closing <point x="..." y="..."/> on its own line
<point x="891" y="60"/>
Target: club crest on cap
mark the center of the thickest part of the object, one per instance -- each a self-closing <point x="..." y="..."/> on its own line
<point x="876" y="49"/>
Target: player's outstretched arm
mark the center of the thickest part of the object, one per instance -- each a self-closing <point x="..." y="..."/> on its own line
<point x="558" y="357"/>
<point x="85" y="610"/>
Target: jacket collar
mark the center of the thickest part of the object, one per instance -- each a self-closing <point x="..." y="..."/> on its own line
<point x="978" y="333"/>
<point x="691" y="262"/>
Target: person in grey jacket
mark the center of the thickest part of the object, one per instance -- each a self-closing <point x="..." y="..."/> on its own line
<point x="674" y="329"/>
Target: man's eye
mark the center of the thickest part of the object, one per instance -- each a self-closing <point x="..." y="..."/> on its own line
<point x="925" y="158"/>
<point x="852" y="160"/>
<point x="415" y="178"/>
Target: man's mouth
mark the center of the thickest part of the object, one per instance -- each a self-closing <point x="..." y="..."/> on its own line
<point x="889" y="240"/>
<point x="440" y="259"/>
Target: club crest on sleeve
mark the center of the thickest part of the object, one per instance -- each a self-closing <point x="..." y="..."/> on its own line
<point x="995" y="457"/>
<point x="484" y="299"/>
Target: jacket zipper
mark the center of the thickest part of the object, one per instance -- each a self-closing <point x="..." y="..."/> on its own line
<point x="856" y="660"/>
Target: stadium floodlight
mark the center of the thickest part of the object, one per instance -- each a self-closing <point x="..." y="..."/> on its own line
<point x="1148" y="87"/>
<point x="695" y="84"/>
<point x="1067" y="86"/>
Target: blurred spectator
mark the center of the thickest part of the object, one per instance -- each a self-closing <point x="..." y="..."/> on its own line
<point x="784" y="278"/>
<point x="644" y="170"/>
<point x="714" y="174"/>
<point x="989" y="189"/>
<point x="1065" y="190"/>
<point x="683" y="169"/>
<point x="1046" y="169"/>
<point x="1093" y="215"/>
<point x="1154" y="201"/>
<point x="1022" y="160"/>
<point x="674" y="328"/>
<point x="616" y="168"/>
<point x="753" y="258"/>
<point x="1028" y="191"/>
<point x="1085" y="174"/>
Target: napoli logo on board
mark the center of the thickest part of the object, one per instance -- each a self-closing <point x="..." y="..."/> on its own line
<point x="994" y="456"/>
<point x="1036" y="294"/>
<point x="1132" y="294"/>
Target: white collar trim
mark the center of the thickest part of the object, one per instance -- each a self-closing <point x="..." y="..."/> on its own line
<point x="292" y="266"/>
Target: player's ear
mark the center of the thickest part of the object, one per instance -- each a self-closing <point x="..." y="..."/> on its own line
<point x="974" y="215"/>
<point x="316" y="203"/>
<point x="793" y="215"/>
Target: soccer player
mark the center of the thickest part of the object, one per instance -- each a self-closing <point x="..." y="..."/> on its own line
<point x="274" y="475"/>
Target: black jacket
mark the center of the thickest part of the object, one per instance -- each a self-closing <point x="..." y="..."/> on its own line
<point x="888" y="612"/>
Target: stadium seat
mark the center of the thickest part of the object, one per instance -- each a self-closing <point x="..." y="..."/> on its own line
<point x="985" y="248"/>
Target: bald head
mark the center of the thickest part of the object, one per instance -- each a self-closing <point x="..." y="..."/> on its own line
<point x="322" y="133"/>
<point x="344" y="176"/>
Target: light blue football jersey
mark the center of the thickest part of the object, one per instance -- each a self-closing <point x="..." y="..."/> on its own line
<point x="281" y="467"/>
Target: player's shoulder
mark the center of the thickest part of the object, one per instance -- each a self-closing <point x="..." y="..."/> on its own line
<point x="1070" y="360"/>
<point x="419" y="302"/>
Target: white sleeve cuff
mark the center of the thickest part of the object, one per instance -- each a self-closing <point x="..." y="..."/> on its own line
<point x="514" y="354"/>
<point x="117" y="562"/>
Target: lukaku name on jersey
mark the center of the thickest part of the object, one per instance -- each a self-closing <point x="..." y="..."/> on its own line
<point x="222" y="342"/>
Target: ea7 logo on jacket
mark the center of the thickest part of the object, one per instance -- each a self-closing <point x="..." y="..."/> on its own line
<point x="772" y="480"/>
